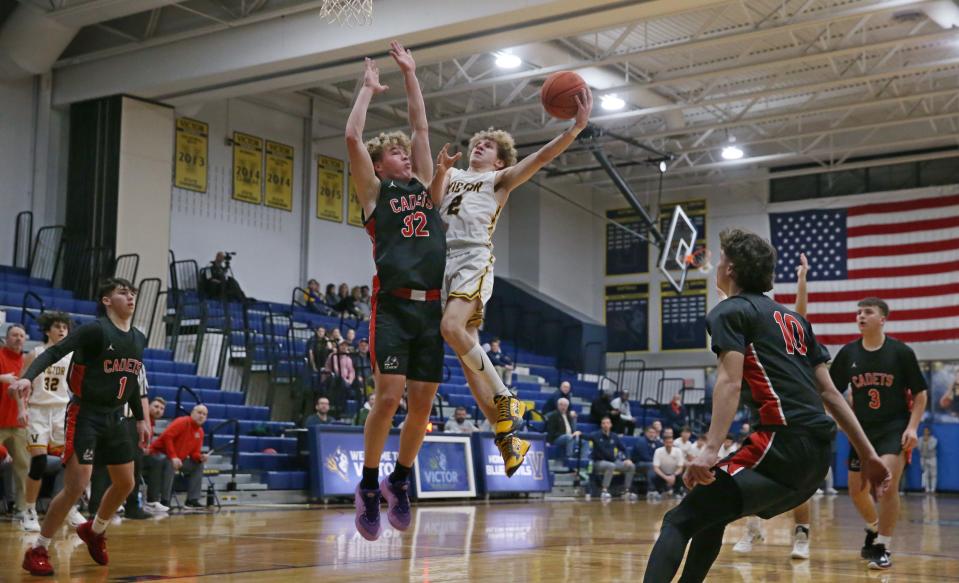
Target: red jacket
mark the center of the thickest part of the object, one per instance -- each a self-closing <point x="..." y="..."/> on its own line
<point x="11" y="362"/>
<point x="181" y="439"/>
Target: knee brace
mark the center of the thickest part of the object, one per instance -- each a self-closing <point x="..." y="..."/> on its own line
<point x="38" y="467"/>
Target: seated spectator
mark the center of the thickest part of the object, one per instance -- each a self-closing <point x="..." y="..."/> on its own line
<point x="502" y="362"/>
<point x="335" y="337"/>
<point x="366" y="301"/>
<point x="667" y="432"/>
<point x="153" y="465"/>
<point x="561" y="428"/>
<point x="220" y="283"/>
<point x="361" y="308"/>
<point x="668" y="466"/>
<point x="318" y="349"/>
<point x="181" y="443"/>
<point x="729" y="446"/>
<point x="623" y="420"/>
<point x="600" y="407"/>
<point x="744" y="431"/>
<point x="459" y="423"/>
<point x="658" y="426"/>
<point x="322" y="414"/>
<point x="329" y="298"/>
<point x="685" y="443"/>
<point x="313" y="298"/>
<point x="350" y="338"/>
<point x="698" y="446"/>
<point x="345" y="306"/>
<point x="363" y="366"/>
<point x="565" y="391"/>
<point x="674" y="414"/>
<point x="365" y="410"/>
<point x="608" y="456"/>
<point x="642" y="454"/>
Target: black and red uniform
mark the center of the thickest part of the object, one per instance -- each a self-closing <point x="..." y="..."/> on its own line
<point x="409" y="249"/>
<point x="883" y="383"/>
<point x="788" y="453"/>
<point x="104" y="376"/>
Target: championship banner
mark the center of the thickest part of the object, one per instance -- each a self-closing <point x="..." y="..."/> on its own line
<point x="627" y="317"/>
<point x="192" y="139"/>
<point x="354" y="210"/>
<point x="532" y="476"/>
<point x="247" y="168"/>
<point x="683" y="316"/>
<point x="626" y="253"/>
<point x="279" y="176"/>
<point x="336" y="459"/>
<point x="444" y="468"/>
<point x="329" y="189"/>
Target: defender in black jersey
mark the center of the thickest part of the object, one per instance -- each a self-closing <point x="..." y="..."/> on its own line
<point x="769" y="355"/>
<point x="107" y="359"/>
<point x="889" y="395"/>
<point x="409" y="249"/>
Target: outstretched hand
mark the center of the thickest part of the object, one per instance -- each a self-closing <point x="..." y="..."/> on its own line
<point x="444" y="160"/>
<point x="584" y="106"/>
<point x="371" y="77"/>
<point x="403" y="57"/>
<point x="803" y="268"/>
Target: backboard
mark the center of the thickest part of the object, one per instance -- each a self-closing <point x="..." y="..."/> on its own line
<point x="679" y="245"/>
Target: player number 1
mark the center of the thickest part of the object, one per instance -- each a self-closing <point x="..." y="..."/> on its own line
<point x="123" y="388"/>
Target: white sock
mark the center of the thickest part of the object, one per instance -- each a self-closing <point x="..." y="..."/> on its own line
<point x="884" y="540"/>
<point x="479" y="362"/>
<point x="873" y="526"/>
<point x="100" y="525"/>
<point x="31" y="507"/>
<point x="42" y="541"/>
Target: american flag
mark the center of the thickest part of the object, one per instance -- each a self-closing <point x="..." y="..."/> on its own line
<point x="903" y="249"/>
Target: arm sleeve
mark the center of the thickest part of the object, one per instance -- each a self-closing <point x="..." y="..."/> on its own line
<point x="88" y="338"/>
<point x="914" y="379"/>
<point x="839" y="371"/>
<point x="728" y="326"/>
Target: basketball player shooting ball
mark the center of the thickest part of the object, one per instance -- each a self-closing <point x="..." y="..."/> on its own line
<point x="471" y="202"/>
<point x="409" y="250"/>
<point x="771" y="355"/>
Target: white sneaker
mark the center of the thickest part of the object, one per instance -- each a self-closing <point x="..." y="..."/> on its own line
<point x="155" y="508"/>
<point x="29" y="521"/>
<point x="745" y="544"/>
<point x="116" y="520"/>
<point x="605" y="496"/>
<point x="75" y="518"/>
<point x="631" y="497"/>
<point x="800" y="544"/>
<point x="831" y="492"/>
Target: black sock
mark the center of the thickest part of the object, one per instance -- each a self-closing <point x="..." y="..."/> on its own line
<point x="371" y="477"/>
<point x="400" y="473"/>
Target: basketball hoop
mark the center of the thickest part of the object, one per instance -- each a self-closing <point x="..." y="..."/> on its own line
<point x="349" y="12"/>
<point x="699" y="259"/>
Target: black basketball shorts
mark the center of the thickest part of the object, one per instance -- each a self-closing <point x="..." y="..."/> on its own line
<point x="97" y="437"/>
<point x="887" y="440"/>
<point x="405" y="338"/>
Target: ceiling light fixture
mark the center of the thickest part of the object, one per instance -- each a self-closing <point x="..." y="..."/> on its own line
<point x="507" y="60"/>
<point x="612" y="102"/>
<point x="732" y="152"/>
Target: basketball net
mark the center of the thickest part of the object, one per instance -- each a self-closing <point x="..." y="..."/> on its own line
<point x="349" y="12"/>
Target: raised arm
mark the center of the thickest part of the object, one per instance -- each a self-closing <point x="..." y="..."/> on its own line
<point x="420" y="156"/>
<point x="513" y="177"/>
<point x="361" y="165"/>
<point x="440" y="179"/>
<point x="802" y="296"/>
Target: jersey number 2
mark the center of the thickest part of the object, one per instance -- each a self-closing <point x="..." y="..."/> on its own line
<point x="793" y="333"/>
<point x="123" y="388"/>
<point x="409" y="230"/>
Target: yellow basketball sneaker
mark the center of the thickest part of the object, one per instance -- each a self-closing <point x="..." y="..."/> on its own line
<point x="513" y="450"/>
<point x="509" y="414"/>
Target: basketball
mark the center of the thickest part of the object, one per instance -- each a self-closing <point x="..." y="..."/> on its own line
<point x="559" y="94"/>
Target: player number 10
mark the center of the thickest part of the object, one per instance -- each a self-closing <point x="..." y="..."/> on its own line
<point x="793" y="333"/>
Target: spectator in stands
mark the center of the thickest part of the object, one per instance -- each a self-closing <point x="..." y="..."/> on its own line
<point x="600" y="407"/>
<point x="345" y="305"/>
<point x="698" y="446"/>
<point x="667" y="432"/>
<point x="335" y="337"/>
<point x="608" y="456"/>
<point x="220" y="283"/>
<point x="321" y="416"/>
<point x="318" y="350"/>
<point x="360" y="308"/>
<point x="313" y="298"/>
<point x="363" y="366"/>
<point x="350" y="338"/>
<point x="658" y="426"/>
<point x="565" y="391"/>
<point x="744" y="430"/>
<point x="642" y="454"/>
<point x="366" y="301"/>
<point x="502" y="362"/>
<point x="623" y="420"/>
<point x="561" y="427"/>
<point x="364" y="412"/>
<point x="13" y="410"/>
<point x="182" y="443"/>
<point x="930" y="464"/>
<point x="729" y="446"/>
<point x="153" y="465"/>
<point x="685" y="443"/>
<point x="668" y="465"/>
<point x="459" y="423"/>
<point x="329" y="297"/>
<point x="674" y="414"/>
<point x="340" y="365"/>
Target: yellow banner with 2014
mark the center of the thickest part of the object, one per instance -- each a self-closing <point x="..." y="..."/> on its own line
<point x="192" y="138"/>
<point x="247" y="168"/>
<point x="279" y="176"/>
<point x="329" y="189"/>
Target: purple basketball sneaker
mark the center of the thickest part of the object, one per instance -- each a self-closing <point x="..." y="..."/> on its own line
<point x="398" y="501"/>
<point x="367" y="504"/>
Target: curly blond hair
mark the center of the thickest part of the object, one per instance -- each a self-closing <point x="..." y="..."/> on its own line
<point x="505" y="146"/>
<point x="383" y="142"/>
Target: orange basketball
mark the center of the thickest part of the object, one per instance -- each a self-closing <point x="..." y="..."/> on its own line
<point x="559" y="94"/>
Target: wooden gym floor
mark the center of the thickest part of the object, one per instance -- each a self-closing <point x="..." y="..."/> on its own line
<point x="533" y="542"/>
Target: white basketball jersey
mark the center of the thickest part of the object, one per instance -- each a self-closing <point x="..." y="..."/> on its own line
<point x="469" y="209"/>
<point x="50" y="387"/>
